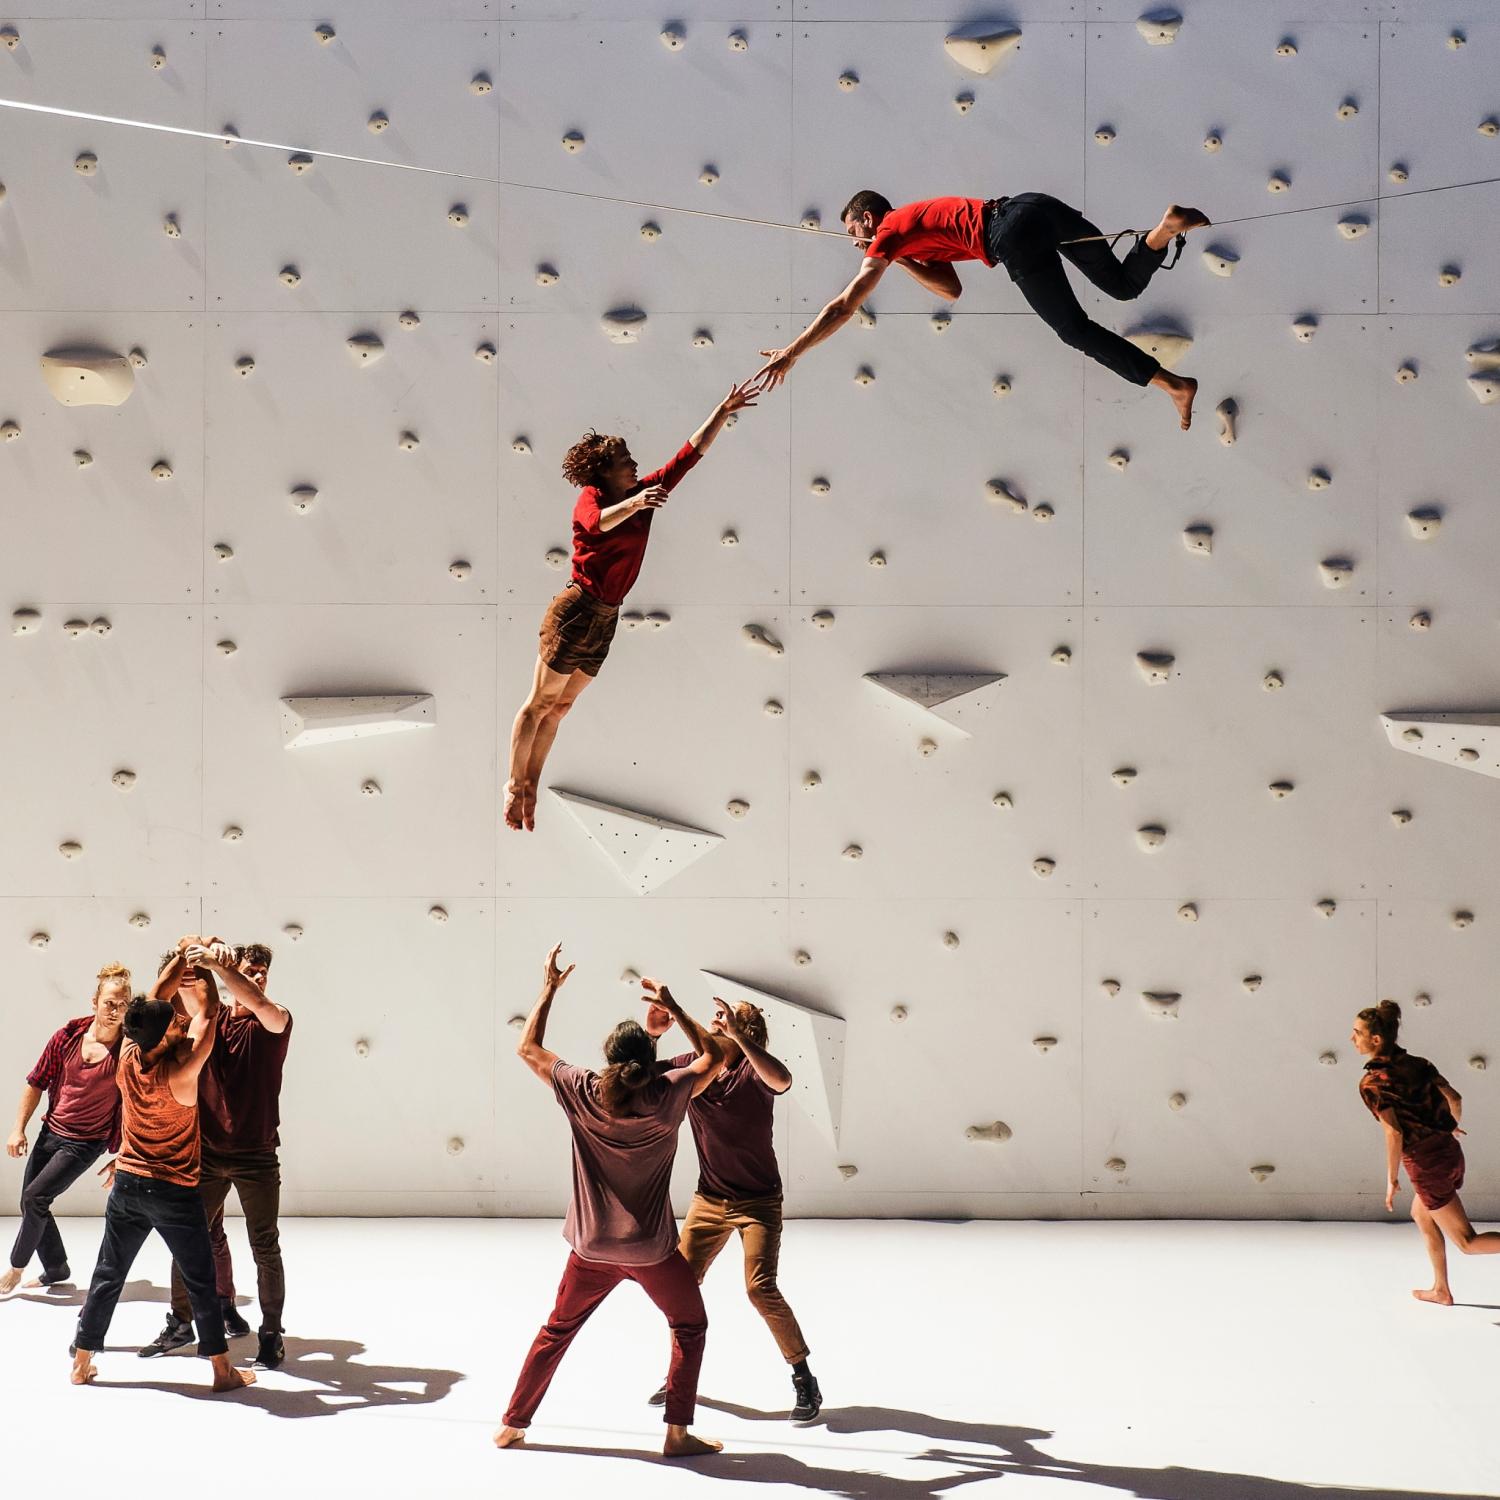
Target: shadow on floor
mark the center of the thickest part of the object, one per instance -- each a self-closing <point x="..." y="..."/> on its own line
<point x="989" y="1452"/>
<point x="70" y="1294"/>
<point x="337" y="1381"/>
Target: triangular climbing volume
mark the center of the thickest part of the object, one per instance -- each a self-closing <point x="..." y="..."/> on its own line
<point x="957" y="698"/>
<point x="644" y="851"/>
<point x="809" y="1042"/>
<point x="1466" y="739"/>
<point x="324" y="721"/>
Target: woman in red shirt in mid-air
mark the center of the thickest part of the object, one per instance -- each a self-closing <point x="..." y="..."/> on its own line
<point x="611" y="526"/>
<point x="1027" y="234"/>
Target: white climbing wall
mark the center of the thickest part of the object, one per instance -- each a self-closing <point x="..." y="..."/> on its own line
<point x="1162" y="772"/>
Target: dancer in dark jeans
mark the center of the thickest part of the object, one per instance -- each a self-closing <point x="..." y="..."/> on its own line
<point x="156" y="1179"/>
<point x="1027" y="234"/>
<point x="76" y="1072"/>
<point x="624" y="1122"/>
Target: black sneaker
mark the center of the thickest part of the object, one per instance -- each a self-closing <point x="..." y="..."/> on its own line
<point x="659" y="1399"/>
<point x="176" y="1335"/>
<point x="809" y="1399"/>
<point x="235" y="1327"/>
<point x="271" y="1352"/>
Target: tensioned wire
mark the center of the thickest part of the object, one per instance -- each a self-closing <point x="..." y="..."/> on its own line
<point x="668" y="208"/>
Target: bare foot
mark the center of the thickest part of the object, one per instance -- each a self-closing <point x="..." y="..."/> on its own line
<point x="681" y="1443"/>
<point x="1179" y="219"/>
<point x="227" y="1378"/>
<point x="83" y="1371"/>
<point x="10" y="1281"/>
<point x="513" y="805"/>
<point x="1443" y="1297"/>
<point x="510" y="1437"/>
<point x="1182" y="389"/>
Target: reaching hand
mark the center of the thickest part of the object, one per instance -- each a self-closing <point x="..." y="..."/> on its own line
<point x="652" y="499"/>
<point x="778" y="366"/>
<point x="16" y="1144"/>
<point x="741" y="396"/>
<point x="725" y="1022"/>
<point x="200" y="957"/>
<point x="107" y="1171"/>
<point x="657" y="993"/>
<point x="658" y="1020"/>
<point x="554" y="975"/>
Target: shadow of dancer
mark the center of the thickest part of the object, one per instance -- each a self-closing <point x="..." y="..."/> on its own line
<point x="989" y="1452"/>
<point x="68" y="1294"/>
<point x="336" y="1381"/>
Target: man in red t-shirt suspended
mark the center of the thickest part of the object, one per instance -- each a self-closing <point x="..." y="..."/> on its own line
<point x="1027" y="234"/>
<point x="611" y="526"/>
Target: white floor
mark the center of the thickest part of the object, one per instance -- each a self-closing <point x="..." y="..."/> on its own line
<point x="1164" y="1360"/>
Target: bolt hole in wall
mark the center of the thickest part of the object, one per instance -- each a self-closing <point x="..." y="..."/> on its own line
<point x="879" y="769"/>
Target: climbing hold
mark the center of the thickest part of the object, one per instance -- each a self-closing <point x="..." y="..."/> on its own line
<point x="232" y="834"/>
<point x="124" y="780"/>
<point x="230" y="135"/>
<point x="1161" y="1003"/>
<point x="1272" y="682"/>
<point x="898" y="1013"/>
<point x="864" y="316"/>
<point x="709" y="175"/>
<point x="1061" y="656"/>
<point x="1159" y="27"/>
<point x="812" y="219"/>
<point x="573" y="142"/>
<point x="171" y="228"/>
<point x="1187" y="912"/>
<point x="997" y="1130"/>
<point x="324" y="34"/>
<point x="408" y="442"/>
<point x="409" y="319"/>
<point x="1177" y="1101"/>
<point x="624" y="325"/>
<point x="1226" y="411"/>
<point x="811" y="780"/>
<point x="300" y="162"/>
<point x="546" y="276"/>
<point x="820" y="486"/>
<point x="378" y="122"/>
<point x="1044" y="1044"/>
<point x="70" y="850"/>
<point x="86" y="164"/>
<point x="161" y="471"/>
<point x="1411" y="735"/>
<point x="289" y="276"/>
<point x="480" y="84"/>
<point x="758" y="635"/>
<point x="370" y="788"/>
<point x="1252" y="982"/>
<point x="1155" y="666"/>
<point x="1406" y="373"/>
<point x="303" y="498"/>
<point x="940" y="322"/>
<point x="75" y="628"/>
<point x="1424" y="523"/>
<point x="1421" y="620"/>
<point x="729" y="539"/>
<point x="292" y="930"/>
<point x="459" y="570"/>
<point x="853" y="851"/>
<point x="1220" y="261"/>
<point x="10" y="38"/>
<point x="88" y="377"/>
<point x="703" y="339"/>
<point x="1304" y="329"/>
<point x="1347" y="110"/>
<point x="1213" y="141"/>
<point x="950" y="940"/>
<point x="140" y="920"/>
<point x="864" y="376"/>
<point x="555" y="557"/>
<point x="485" y="354"/>
<point x="964" y="102"/>
<point x="1462" y="919"/>
<point x="1401" y="816"/>
<point x="877" y="559"/>
<point x="672" y="38"/>
<point x="1489" y="127"/>
<point x="1456" y="40"/>
<point x="632" y="619"/>
<point x="25" y="622"/>
<point x="82" y="457"/>
<point x="1484" y="356"/>
<point x="1152" y="836"/>
<point x="650" y="232"/>
<point x="1199" y="539"/>
<point x="1319" y="479"/>
<point x="1479" y="1063"/>
<point x="1328" y="1059"/>
<point x="1119" y="460"/>
<point x="39" y="939"/>
<point x="1123" y="775"/>
<point x="1002" y="386"/>
<point x="1166" y="346"/>
<point x="1486" y="388"/>
<point x="772" y="708"/>
<point x="823" y="619"/>
<point x="1422" y="999"/>
<point x="458" y="214"/>
<point x="848" y="1170"/>
<point x="1326" y="908"/>
<point x="520" y="445"/>
<point x="802" y="958"/>
<point x="848" y="81"/>
<point x="1043" y="868"/>
<point x="999" y="491"/>
<point x="1278" y="182"/>
<point x="1115" y="1164"/>
<point x="979" y="53"/>
<point x="1336" y="571"/>
<point x="1104" y="135"/>
<point x="738" y="42"/>
<point x="1003" y="801"/>
<point x="456" y="1146"/>
<point x="1468" y="754"/>
<point x="1261" y="1172"/>
<point x="1042" y="512"/>
<point x="1398" y="172"/>
<point x="1280" y="790"/>
<point x="364" y="348"/>
<point x="226" y="648"/>
<point x="1449" y="276"/>
<point x="1353" y="225"/>
<point x="1286" y="47"/>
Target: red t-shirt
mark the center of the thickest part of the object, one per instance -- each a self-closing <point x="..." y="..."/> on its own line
<point x="934" y="229"/>
<point x="732" y="1128"/>
<point x="83" y="1099"/>
<point x="242" y="1098"/>
<point x="606" y="564"/>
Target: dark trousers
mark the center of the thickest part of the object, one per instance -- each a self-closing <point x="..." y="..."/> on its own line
<point x="1024" y="233"/>
<point x="256" y="1177"/>
<point x="670" y="1284"/>
<point x="137" y="1205"/>
<point x="53" y="1165"/>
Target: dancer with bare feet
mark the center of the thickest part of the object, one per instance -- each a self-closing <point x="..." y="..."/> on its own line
<point x="1028" y="234"/>
<point x="76" y="1072"/>
<point x="155" y="1176"/>
<point x="1419" y="1110"/>
<point x="611" y="526"/>
<point x="624" y="1123"/>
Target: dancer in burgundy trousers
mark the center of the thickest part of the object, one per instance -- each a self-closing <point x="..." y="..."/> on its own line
<point x="625" y="1122"/>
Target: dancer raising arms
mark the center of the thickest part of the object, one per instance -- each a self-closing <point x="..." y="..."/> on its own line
<point x="76" y="1071"/>
<point x="624" y="1123"/>
<point x="1027" y="234"/>
<point x="1419" y="1110"/>
<point x="611" y="526"/>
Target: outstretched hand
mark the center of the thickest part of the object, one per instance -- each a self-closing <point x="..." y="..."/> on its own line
<point x="740" y="396"/>
<point x="778" y="366"/>
<point x="554" y="975"/>
<point x="725" y="1022"/>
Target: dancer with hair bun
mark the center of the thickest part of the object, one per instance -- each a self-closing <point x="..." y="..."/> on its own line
<point x="611" y="526"/>
<point x="76" y="1072"/>
<point x="624" y="1123"/>
<point x="1419" y="1110"/>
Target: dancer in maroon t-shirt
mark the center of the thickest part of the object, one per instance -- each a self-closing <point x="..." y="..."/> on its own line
<point x="624" y="1123"/>
<point x="1027" y="234"/>
<point x="76" y="1071"/>
<point x="611" y="526"/>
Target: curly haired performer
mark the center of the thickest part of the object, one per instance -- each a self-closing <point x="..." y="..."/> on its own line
<point x="611" y="526"/>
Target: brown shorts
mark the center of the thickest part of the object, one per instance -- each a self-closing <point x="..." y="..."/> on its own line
<point x="1435" y="1169"/>
<point x="576" y="631"/>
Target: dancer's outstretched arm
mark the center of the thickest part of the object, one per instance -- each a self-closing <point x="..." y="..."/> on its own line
<point x="825" y="325"/>
<point x="246" y="992"/>
<point x="660" y="997"/>
<point x="532" y="1050"/>
<point x="769" y="1069"/>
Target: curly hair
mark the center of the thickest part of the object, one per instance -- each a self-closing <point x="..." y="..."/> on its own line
<point x="590" y="456"/>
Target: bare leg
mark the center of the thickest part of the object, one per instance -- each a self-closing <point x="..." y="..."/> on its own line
<point x="1454" y="1222"/>
<point x="510" y="1437"/>
<point x="1182" y="389"/>
<point x="1432" y="1238"/>
<point x="681" y="1443"/>
<point x="226" y="1377"/>
<point x="1177" y="220"/>
<point x="11" y="1280"/>
<point x="83" y="1371"/>
<point x="541" y="743"/>
<point x="547" y="687"/>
